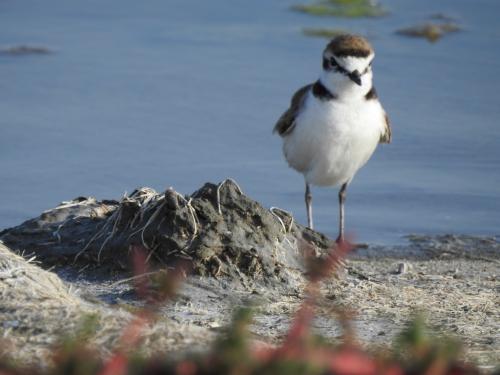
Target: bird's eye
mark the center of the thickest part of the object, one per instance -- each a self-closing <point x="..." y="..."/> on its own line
<point x="333" y="62"/>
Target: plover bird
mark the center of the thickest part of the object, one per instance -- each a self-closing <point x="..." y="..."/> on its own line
<point x="334" y="125"/>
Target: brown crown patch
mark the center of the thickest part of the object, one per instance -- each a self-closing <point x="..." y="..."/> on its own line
<point x="349" y="45"/>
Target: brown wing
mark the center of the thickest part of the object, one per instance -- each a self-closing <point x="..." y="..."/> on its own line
<point x="387" y="136"/>
<point x="286" y="122"/>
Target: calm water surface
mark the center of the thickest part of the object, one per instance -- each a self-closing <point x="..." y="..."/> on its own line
<point x="177" y="93"/>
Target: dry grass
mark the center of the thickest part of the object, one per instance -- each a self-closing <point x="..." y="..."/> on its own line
<point x="37" y="309"/>
<point x="458" y="297"/>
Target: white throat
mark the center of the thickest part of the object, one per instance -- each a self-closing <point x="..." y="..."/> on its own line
<point x="343" y="87"/>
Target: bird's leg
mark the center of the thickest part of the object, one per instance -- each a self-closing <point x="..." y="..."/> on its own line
<point x="342" y="196"/>
<point x="309" y="206"/>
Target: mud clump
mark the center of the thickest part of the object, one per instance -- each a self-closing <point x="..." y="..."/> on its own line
<point x="342" y="8"/>
<point x="430" y="31"/>
<point x="23" y="50"/>
<point x="218" y="229"/>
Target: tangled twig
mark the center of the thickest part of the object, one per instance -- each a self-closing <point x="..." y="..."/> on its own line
<point x="218" y="192"/>
<point x="98" y="234"/>
<point x="60" y="226"/>
<point x="287" y="230"/>
<point x="192" y="211"/>
<point x="150" y="203"/>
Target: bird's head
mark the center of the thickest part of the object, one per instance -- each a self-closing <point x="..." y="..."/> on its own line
<point x="347" y="61"/>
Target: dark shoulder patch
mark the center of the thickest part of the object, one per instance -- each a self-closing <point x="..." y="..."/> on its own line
<point x="387" y="136"/>
<point x="321" y="92"/>
<point x="372" y="94"/>
<point x="286" y="122"/>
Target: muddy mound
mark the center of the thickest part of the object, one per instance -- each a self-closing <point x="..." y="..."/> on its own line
<point x="219" y="229"/>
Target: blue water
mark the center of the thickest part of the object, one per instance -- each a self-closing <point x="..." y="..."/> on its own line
<point x="177" y="93"/>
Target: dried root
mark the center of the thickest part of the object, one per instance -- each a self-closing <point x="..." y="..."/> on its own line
<point x="218" y="191"/>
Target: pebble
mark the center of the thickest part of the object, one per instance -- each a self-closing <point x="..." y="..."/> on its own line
<point x="214" y="325"/>
<point x="403" y="268"/>
<point x="11" y="324"/>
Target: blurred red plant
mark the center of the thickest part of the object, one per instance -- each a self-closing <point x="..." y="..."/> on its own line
<point x="153" y="288"/>
<point x="301" y="352"/>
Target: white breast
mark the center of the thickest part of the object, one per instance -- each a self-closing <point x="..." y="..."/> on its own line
<point x="333" y="139"/>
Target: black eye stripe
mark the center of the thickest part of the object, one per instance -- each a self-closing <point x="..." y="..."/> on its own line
<point x="334" y="65"/>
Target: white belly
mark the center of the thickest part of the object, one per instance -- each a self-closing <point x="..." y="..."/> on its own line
<point x="333" y="139"/>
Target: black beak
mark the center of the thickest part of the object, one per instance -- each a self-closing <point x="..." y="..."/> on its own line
<point x="355" y="77"/>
